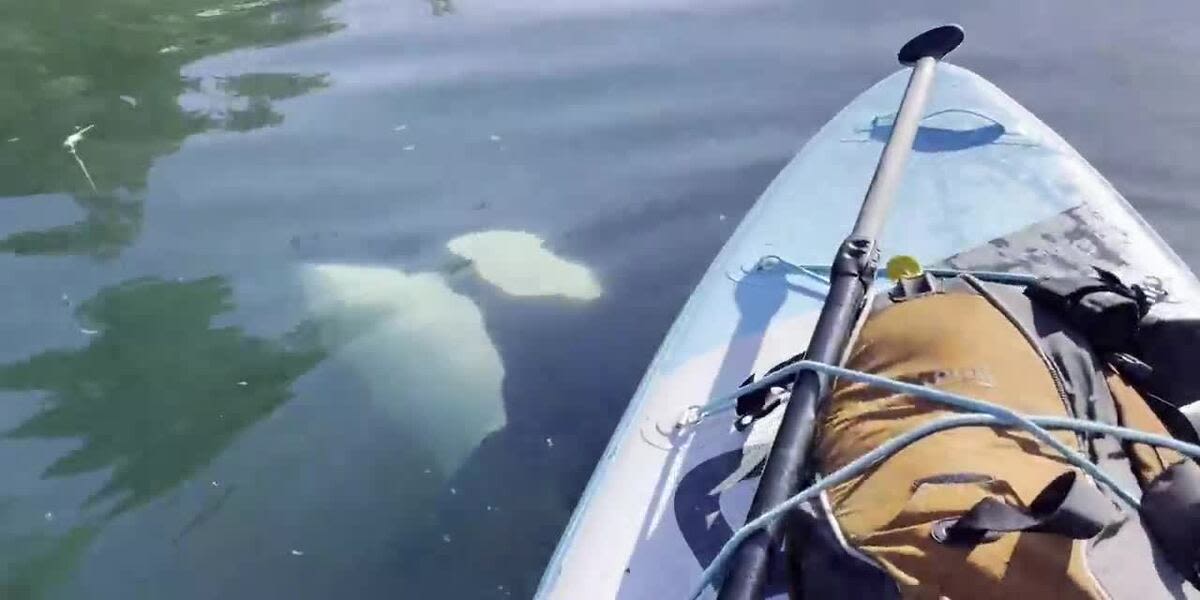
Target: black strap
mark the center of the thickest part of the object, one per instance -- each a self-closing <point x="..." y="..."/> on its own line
<point x="1145" y="379"/>
<point x="1167" y="344"/>
<point x="1068" y="506"/>
<point x="1171" y="511"/>
<point x="1102" y="308"/>
<point x="758" y="404"/>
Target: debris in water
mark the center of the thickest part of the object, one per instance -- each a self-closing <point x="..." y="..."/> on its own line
<point x="549" y="442"/>
<point x="66" y="300"/>
<point x="494" y="137"/>
<point x="70" y="143"/>
<point x="86" y="331"/>
<point x="255" y="4"/>
<point x="49" y="516"/>
<point x="215" y="484"/>
<point x="216" y="12"/>
<point x="169" y="49"/>
<point x="296" y="552"/>
<point x="400" y="127"/>
<point x="446" y="538"/>
<point x="74" y="139"/>
<point x="409" y="148"/>
<point x="130" y="100"/>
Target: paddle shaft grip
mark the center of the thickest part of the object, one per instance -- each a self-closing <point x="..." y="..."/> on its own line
<point x="852" y="275"/>
<point x="895" y="153"/>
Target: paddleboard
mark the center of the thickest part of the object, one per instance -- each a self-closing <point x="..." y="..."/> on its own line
<point x="988" y="187"/>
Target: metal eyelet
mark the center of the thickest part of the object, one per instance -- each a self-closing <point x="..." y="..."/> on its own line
<point x="941" y="533"/>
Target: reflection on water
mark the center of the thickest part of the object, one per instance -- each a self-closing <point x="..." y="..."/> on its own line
<point x="38" y="562"/>
<point x="112" y="220"/>
<point x="159" y="390"/>
<point x="155" y="395"/>
<point x="115" y="65"/>
<point x="251" y="96"/>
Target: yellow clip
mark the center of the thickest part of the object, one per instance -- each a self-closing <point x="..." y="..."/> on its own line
<point x="903" y="267"/>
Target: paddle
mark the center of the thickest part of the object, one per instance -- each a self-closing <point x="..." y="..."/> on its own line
<point x="852" y="273"/>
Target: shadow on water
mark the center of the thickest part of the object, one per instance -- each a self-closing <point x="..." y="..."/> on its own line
<point x="117" y="65"/>
<point x="156" y="395"/>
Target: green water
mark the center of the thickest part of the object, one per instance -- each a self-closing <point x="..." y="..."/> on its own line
<point x="237" y="359"/>
<point x="68" y="65"/>
<point x="154" y="386"/>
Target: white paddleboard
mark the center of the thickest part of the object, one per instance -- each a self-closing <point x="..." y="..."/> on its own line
<point x="988" y="187"/>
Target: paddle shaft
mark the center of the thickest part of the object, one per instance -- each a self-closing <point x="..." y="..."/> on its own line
<point x="852" y="273"/>
<point x="895" y="153"/>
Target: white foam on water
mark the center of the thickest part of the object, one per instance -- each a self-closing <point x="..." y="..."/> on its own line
<point x="420" y="350"/>
<point x="519" y="264"/>
<point x="217" y="12"/>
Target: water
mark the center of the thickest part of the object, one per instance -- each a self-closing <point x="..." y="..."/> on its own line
<point x="344" y="297"/>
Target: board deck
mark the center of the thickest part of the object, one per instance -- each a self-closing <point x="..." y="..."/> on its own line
<point x="989" y="187"/>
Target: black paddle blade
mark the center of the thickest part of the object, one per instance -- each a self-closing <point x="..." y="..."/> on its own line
<point x="936" y="42"/>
